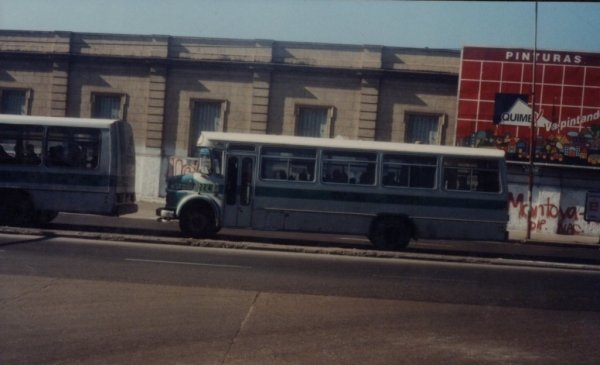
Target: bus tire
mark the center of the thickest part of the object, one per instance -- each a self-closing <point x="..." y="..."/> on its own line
<point x="43" y="217"/>
<point x="19" y="209"/>
<point x="197" y="220"/>
<point x="390" y="233"/>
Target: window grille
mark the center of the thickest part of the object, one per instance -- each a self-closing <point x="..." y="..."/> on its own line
<point x="422" y="128"/>
<point x="206" y="117"/>
<point x="313" y="122"/>
<point x="107" y="106"/>
<point x="13" y="101"/>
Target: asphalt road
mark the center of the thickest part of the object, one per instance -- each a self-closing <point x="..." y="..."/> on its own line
<point x="143" y="226"/>
<point x="83" y="301"/>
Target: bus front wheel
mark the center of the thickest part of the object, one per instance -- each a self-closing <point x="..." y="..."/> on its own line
<point x="197" y="221"/>
<point x="390" y="233"/>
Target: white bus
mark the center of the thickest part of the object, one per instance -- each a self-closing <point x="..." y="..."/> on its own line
<point x="390" y="192"/>
<point x="50" y="165"/>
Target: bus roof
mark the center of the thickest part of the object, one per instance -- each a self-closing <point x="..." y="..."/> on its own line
<point x="208" y="138"/>
<point x="56" y="121"/>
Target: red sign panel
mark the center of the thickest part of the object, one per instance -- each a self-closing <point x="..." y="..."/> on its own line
<point x="495" y="103"/>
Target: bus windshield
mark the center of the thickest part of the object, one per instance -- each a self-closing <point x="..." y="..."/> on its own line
<point x="210" y="161"/>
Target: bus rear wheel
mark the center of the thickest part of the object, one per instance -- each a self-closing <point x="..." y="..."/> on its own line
<point x="390" y="233"/>
<point x="18" y="209"/>
<point x="43" y="217"/>
<point x="197" y="221"/>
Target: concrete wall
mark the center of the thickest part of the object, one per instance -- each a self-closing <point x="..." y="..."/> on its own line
<point x="261" y="83"/>
<point x="400" y="98"/>
<point x="185" y="86"/>
<point x="555" y="210"/>
<point x="288" y="91"/>
<point x="558" y="199"/>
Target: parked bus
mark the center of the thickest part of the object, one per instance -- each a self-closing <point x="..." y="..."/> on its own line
<point x="50" y="165"/>
<point x="390" y="192"/>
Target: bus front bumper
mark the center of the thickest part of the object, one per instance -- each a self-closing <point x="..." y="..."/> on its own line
<point x="164" y="213"/>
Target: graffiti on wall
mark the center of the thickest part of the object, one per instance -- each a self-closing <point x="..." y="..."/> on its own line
<point x="182" y="165"/>
<point x="553" y="211"/>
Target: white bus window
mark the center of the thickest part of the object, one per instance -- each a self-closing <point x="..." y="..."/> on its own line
<point x="73" y="148"/>
<point x="296" y="164"/>
<point x="20" y="145"/>
<point x="345" y="167"/>
<point x="409" y="171"/>
<point x="471" y="175"/>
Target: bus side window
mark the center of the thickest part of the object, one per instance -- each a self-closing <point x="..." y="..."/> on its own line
<point x="21" y="144"/>
<point x="55" y="155"/>
<point x="471" y="175"/>
<point x="290" y="164"/>
<point x="73" y="147"/>
<point x="412" y="171"/>
<point x="348" y="167"/>
<point x="488" y="181"/>
<point x="74" y="155"/>
<point x="4" y="156"/>
<point x="31" y="157"/>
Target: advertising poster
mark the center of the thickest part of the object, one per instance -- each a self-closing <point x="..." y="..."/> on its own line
<point x="496" y="99"/>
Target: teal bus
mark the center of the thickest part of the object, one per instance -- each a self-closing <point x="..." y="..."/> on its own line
<point x="389" y="192"/>
<point x="52" y="164"/>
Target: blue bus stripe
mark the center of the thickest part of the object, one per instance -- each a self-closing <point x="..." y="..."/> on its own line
<point x="47" y="178"/>
<point x="381" y="198"/>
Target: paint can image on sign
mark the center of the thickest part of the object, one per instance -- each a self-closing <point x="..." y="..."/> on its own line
<point x="496" y="102"/>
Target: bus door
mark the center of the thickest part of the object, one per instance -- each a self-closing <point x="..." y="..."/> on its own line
<point x="239" y="191"/>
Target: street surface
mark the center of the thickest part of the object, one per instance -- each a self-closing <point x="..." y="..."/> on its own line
<point x="73" y="300"/>
<point x="143" y="226"/>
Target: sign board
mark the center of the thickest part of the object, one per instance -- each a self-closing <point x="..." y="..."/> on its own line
<point x="592" y="206"/>
<point x="495" y="103"/>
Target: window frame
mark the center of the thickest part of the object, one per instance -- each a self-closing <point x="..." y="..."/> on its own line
<point x="71" y="139"/>
<point x="18" y="137"/>
<point x="471" y="165"/>
<point x="28" y="96"/>
<point x="299" y="160"/>
<point x="349" y="165"/>
<point x="329" y="119"/>
<point x="194" y="130"/>
<point x="440" y="119"/>
<point x="123" y="103"/>
<point x="434" y="165"/>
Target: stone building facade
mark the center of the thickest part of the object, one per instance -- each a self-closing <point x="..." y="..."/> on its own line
<point x="164" y="86"/>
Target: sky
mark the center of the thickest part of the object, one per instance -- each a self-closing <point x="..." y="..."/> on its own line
<point x="571" y="26"/>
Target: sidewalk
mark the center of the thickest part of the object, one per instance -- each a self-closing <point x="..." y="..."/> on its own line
<point x="560" y="239"/>
<point x="147" y="210"/>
